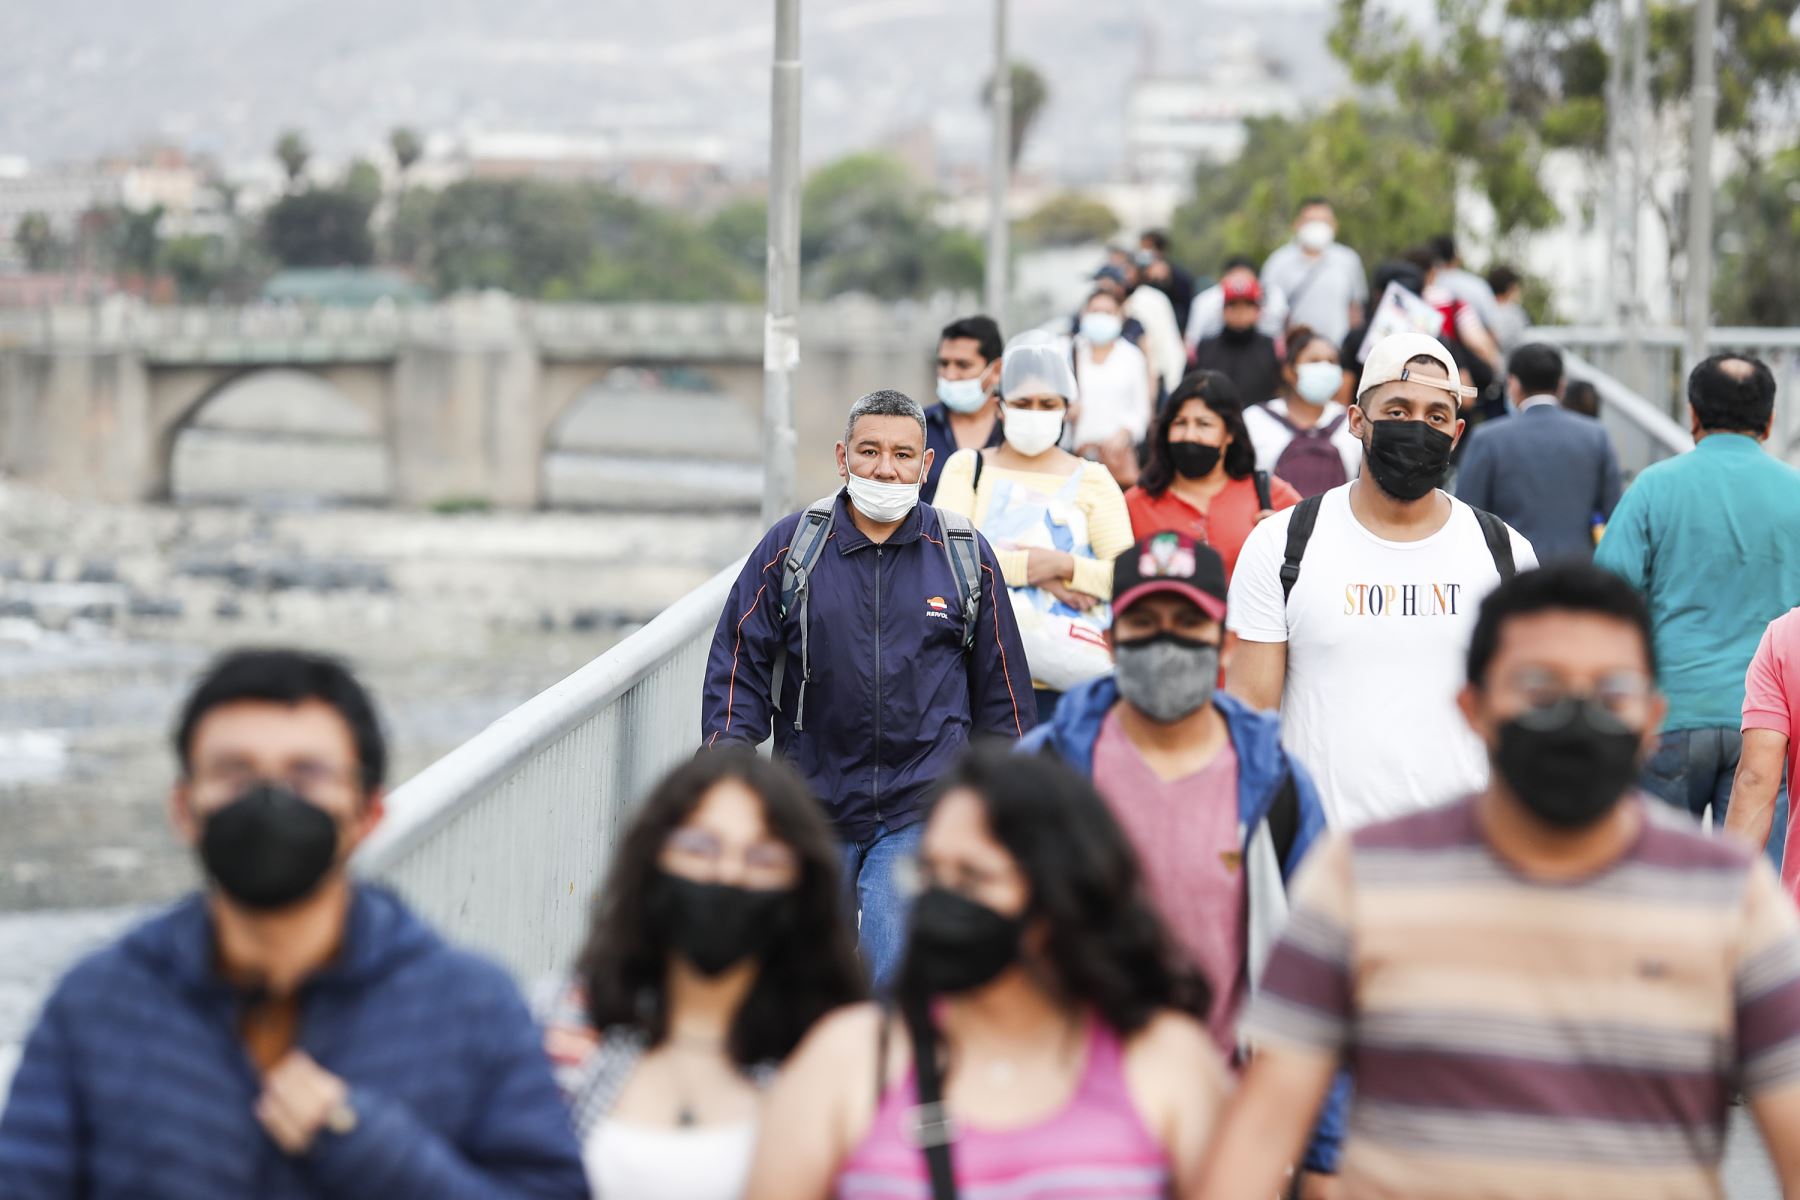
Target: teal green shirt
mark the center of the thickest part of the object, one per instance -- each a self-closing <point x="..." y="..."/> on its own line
<point x="1712" y="539"/>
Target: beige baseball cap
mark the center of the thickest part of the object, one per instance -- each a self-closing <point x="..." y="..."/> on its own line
<point x="1387" y="364"/>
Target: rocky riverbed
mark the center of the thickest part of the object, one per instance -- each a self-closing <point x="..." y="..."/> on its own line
<point x="106" y="614"/>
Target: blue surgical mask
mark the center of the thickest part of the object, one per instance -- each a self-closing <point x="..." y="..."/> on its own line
<point x="961" y="395"/>
<point x="1101" y="327"/>
<point x="1318" y="382"/>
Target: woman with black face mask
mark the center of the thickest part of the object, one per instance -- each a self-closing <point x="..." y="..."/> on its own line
<point x="1202" y="479"/>
<point x="718" y="941"/>
<point x="1040" y="1006"/>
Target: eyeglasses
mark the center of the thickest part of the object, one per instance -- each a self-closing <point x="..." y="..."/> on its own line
<point x="308" y="780"/>
<point x="915" y="875"/>
<point x="701" y="854"/>
<point x="1622" y="697"/>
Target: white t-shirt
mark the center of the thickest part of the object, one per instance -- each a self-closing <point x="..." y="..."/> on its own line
<point x="1269" y="437"/>
<point x="1376" y="632"/>
<point x="1115" y="394"/>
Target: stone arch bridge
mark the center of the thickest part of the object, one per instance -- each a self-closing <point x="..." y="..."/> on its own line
<point x="464" y="396"/>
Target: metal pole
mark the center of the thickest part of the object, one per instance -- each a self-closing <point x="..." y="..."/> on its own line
<point x="1617" y="251"/>
<point x="1000" y="172"/>
<point x="1700" y="181"/>
<point x="781" y="333"/>
<point x="1636" y="372"/>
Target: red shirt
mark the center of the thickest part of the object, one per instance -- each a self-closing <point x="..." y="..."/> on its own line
<point x="1224" y="526"/>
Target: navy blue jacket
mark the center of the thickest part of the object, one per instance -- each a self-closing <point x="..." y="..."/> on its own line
<point x="135" y="1082"/>
<point x="1547" y="472"/>
<point x="893" y="698"/>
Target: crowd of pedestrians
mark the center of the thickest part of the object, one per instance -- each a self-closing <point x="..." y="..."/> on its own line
<point x="1184" y="787"/>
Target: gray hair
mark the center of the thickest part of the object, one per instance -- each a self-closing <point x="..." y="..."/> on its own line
<point x="884" y="403"/>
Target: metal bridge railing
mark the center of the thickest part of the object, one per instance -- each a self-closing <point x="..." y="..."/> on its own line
<point x="502" y="842"/>
<point x="1663" y="383"/>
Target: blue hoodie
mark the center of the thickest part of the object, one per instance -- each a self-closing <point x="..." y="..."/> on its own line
<point x="135" y="1082"/>
<point x="1264" y="767"/>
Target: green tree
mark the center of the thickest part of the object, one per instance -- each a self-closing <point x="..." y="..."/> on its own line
<point x="741" y="231"/>
<point x="292" y="150"/>
<point x="1029" y="95"/>
<point x="867" y="226"/>
<point x="408" y="148"/>
<point x="138" y="245"/>
<point x="1760" y="242"/>
<point x="1390" y="188"/>
<point x="320" y="227"/>
<point x="1068" y="219"/>
<point x="363" y="180"/>
<point x="1497" y="84"/>
<point x="37" y="241"/>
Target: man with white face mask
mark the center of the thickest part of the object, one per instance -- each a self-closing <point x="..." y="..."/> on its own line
<point x="874" y="634"/>
<point x="967" y="412"/>
<point x="1324" y="282"/>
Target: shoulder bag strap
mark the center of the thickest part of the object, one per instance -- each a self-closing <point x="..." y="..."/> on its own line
<point x="1264" y="498"/>
<point x="931" y="1127"/>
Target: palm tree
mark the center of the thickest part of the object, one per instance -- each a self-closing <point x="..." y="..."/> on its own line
<point x="1029" y="95"/>
<point x="292" y="150"/>
<point x="407" y="148"/>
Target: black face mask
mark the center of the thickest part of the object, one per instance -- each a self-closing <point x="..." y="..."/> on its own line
<point x="956" y="945"/>
<point x="1568" y="764"/>
<point x="1407" y="458"/>
<point x="1192" y="460"/>
<point x="715" y="926"/>
<point x="1238" y="337"/>
<point x="269" y="848"/>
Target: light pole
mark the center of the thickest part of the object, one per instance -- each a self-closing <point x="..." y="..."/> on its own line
<point x="1700" y="181"/>
<point x="781" y="333"/>
<point x="999" y="172"/>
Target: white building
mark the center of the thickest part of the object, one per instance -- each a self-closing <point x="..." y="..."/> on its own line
<point x="1174" y="122"/>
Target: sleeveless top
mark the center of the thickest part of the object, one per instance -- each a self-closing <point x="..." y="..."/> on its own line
<point x="1096" y="1146"/>
<point x="629" y="1161"/>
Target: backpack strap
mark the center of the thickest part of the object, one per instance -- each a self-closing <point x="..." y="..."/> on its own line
<point x="963" y="547"/>
<point x="1499" y="542"/>
<point x="1300" y="531"/>
<point x="1264" y="497"/>
<point x="980" y="461"/>
<point x="1284" y="814"/>
<point x="1336" y="422"/>
<point x="809" y="541"/>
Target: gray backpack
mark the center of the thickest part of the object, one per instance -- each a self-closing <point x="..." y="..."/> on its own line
<point x="961" y="546"/>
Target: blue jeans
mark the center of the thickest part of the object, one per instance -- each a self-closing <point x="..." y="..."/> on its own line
<point x="871" y="885"/>
<point x="1692" y="768"/>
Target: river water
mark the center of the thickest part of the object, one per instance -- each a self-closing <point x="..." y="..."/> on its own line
<point x="107" y="613"/>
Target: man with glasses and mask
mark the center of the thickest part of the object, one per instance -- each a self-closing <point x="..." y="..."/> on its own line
<point x="1361" y="599"/>
<point x="1550" y="988"/>
<point x="287" y="1032"/>
<point x="1219" y="814"/>
<point x="874" y="634"/>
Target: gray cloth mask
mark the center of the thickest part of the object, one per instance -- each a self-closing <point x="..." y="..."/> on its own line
<point x="1166" y="677"/>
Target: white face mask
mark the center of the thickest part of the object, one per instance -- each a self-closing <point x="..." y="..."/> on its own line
<point x="1316" y="235"/>
<point x="961" y="395"/>
<point x="1032" y="431"/>
<point x="1318" y="382"/>
<point x="883" y="503"/>
<point x="1101" y="327"/>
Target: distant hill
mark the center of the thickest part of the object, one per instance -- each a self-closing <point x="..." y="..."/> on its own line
<point x="80" y="79"/>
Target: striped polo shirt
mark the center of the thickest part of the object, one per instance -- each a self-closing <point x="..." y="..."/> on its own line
<point x="1518" y="1038"/>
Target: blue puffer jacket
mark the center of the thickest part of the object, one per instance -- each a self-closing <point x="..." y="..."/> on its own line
<point x="136" y="1084"/>
<point x="1264" y="767"/>
<point x="893" y="698"/>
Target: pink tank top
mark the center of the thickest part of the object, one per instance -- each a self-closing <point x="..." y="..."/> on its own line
<point x="1096" y="1146"/>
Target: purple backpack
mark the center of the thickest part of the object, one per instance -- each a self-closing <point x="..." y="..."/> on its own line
<point x="1311" y="463"/>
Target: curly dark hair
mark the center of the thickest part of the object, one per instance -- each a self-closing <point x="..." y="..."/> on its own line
<point x="1218" y="393"/>
<point x="804" y="975"/>
<point x="1106" y="947"/>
